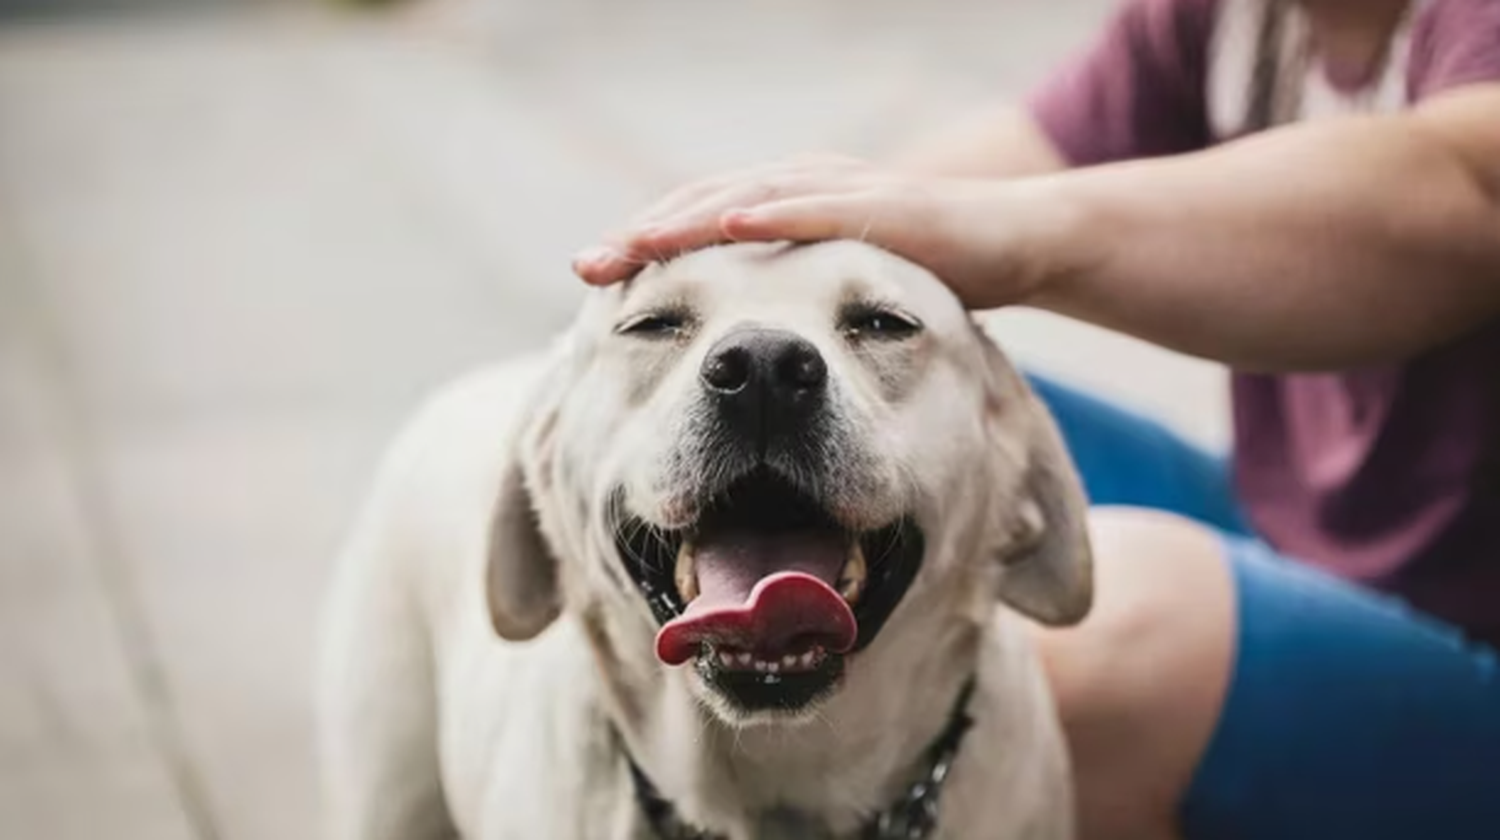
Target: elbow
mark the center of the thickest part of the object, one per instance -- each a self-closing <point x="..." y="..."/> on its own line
<point x="1461" y="132"/>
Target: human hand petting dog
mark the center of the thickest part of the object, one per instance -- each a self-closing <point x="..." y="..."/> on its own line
<point x="1292" y="250"/>
<point x="980" y="237"/>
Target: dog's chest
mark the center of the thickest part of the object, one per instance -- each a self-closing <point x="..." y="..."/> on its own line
<point x="791" y="825"/>
<point x="588" y="796"/>
<point x="531" y="753"/>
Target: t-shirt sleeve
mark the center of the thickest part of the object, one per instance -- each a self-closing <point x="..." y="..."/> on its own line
<point x="1138" y="91"/>
<point x="1454" y="43"/>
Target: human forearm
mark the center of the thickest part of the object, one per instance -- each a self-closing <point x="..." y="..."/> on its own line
<point x="1314" y="247"/>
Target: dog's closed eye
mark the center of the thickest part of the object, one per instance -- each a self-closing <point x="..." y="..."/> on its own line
<point x="872" y="321"/>
<point x="661" y="323"/>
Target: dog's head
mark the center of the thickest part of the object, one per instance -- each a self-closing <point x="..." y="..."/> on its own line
<point x="757" y="457"/>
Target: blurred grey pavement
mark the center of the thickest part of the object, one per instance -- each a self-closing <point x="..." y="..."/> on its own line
<point x="238" y="243"/>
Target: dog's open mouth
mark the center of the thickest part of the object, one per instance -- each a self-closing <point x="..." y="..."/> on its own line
<point x="767" y="592"/>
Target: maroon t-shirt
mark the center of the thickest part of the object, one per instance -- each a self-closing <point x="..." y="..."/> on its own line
<point x="1387" y="475"/>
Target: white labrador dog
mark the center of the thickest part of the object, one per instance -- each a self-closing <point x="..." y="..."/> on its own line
<point x="725" y="563"/>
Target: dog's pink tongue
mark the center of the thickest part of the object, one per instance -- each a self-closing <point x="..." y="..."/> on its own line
<point x="767" y="594"/>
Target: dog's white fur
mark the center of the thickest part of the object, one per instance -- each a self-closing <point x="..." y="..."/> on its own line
<point x="487" y="663"/>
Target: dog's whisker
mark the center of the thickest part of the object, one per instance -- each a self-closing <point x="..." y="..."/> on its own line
<point x="828" y="722"/>
<point x="893" y="542"/>
<point x="635" y="558"/>
<point x="657" y="534"/>
<point x="632" y="531"/>
<point x="629" y="547"/>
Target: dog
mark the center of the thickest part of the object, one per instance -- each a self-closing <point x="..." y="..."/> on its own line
<point x="740" y="556"/>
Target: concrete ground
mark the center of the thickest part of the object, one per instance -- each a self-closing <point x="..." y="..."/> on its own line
<point x="236" y="246"/>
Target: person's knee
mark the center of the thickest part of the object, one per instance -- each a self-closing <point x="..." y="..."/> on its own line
<point x="1163" y="592"/>
<point x="1139" y="683"/>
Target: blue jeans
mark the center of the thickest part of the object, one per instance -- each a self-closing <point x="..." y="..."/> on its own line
<point x="1348" y="715"/>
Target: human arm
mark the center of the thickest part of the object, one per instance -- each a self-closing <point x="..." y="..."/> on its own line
<point x="1313" y="246"/>
<point x="1319" y="246"/>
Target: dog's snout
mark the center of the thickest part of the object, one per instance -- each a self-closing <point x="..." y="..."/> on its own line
<point x="764" y="379"/>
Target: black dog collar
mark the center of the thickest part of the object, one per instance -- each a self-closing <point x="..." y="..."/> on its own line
<point x="911" y="817"/>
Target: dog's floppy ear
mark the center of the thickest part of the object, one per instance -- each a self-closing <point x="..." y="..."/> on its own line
<point x="1047" y="569"/>
<point x="522" y="573"/>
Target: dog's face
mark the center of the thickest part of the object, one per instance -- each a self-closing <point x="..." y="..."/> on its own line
<point x="762" y="451"/>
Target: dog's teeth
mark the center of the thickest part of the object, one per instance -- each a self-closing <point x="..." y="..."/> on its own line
<point x="807" y="659"/>
<point x="726" y="658"/>
<point x="852" y="578"/>
<point x="789" y="661"/>
<point x="686" y="573"/>
<point x="760" y="665"/>
<point x="745" y="658"/>
<point x="773" y="667"/>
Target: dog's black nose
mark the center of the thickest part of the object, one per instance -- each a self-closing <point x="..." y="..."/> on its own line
<point x="765" y="381"/>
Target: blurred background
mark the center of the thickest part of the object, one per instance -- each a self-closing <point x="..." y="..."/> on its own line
<point x="240" y="239"/>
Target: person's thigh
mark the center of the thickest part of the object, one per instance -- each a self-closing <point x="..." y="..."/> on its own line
<point x="1126" y="458"/>
<point x="1348" y="715"/>
<point x="1220" y="691"/>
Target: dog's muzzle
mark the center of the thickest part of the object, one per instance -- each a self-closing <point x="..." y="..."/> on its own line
<point x="767" y="591"/>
